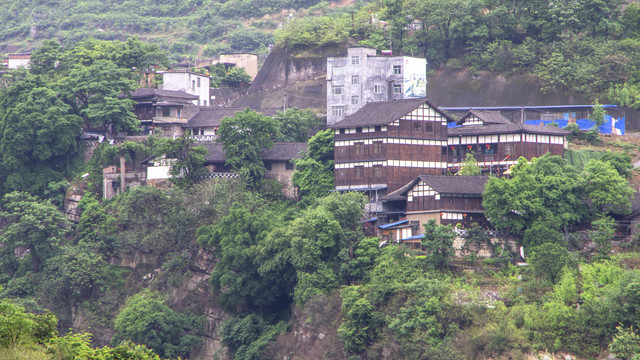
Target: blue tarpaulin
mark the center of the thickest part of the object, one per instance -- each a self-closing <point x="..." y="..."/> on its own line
<point x="414" y="237"/>
<point x="611" y="125"/>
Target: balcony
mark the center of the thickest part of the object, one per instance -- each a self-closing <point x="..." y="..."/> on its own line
<point x="204" y="137"/>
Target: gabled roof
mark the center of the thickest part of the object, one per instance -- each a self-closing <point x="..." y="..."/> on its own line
<point x="487" y="117"/>
<point x="153" y="92"/>
<point x="212" y="116"/>
<point x="279" y="151"/>
<point x="444" y="185"/>
<point x="383" y="113"/>
<point x="505" y="129"/>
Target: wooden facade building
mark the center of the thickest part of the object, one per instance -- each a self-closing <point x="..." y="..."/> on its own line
<point x="497" y="143"/>
<point x="444" y="198"/>
<point x="386" y="144"/>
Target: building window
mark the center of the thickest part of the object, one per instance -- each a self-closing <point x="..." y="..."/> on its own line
<point x="397" y="89"/>
<point x="337" y="110"/>
<point x="359" y="146"/>
<point x="378" y="70"/>
<point x="342" y="131"/>
<point x="377" y="89"/>
<point x="508" y="149"/>
<point x="355" y="79"/>
<point x="355" y="60"/>
<point x="178" y="112"/>
<point x="377" y="171"/>
<point x="377" y="147"/>
<point x="198" y="82"/>
<point x="358" y="171"/>
<point x="166" y="112"/>
<point x="355" y="100"/>
<point x="397" y="69"/>
<point x="417" y="126"/>
<point x="428" y="127"/>
<point x="267" y="165"/>
<point x="204" y="102"/>
<point x="337" y="89"/>
<point x="378" y="128"/>
<point x="288" y="166"/>
<point x="337" y="70"/>
<point x="359" y="129"/>
<point x="444" y="150"/>
<point x="193" y="84"/>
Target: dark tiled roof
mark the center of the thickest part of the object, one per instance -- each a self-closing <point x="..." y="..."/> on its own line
<point x="212" y="116"/>
<point x="279" y="151"/>
<point x="383" y="112"/>
<point x="488" y="117"/>
<point x="151" y="92"/>
<point x="444" y="185"/>
<point x="505" y="129"/>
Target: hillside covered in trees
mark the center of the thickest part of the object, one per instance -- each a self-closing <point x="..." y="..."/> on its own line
<point x="589" y="47"/>
<point x="228" y="268"/>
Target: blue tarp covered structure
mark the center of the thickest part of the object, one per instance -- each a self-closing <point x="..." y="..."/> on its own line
<point x="615" y="126"/>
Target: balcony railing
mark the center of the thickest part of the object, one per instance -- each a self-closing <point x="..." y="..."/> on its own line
<point x="204" y="137"/>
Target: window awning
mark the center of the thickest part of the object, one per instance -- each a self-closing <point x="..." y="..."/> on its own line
<point x="414" y="237"/>
<point x="386" y="226"/>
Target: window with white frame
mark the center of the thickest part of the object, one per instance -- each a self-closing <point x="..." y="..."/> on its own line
<point x="397" y="69"/>
<point x="397" y="89"/>
<point x="378" y="70"/>
<point x="337" y="70"/>
<point x="355" y="60"/>
<point x="337" y="89"/>
<point x="337" y="110"/>
<point x="355" y="100"/>
<point x="355" y="79"/>
<point x="377" y="89"/>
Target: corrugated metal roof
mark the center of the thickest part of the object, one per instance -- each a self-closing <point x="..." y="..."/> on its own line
<point x="386" y="226"/>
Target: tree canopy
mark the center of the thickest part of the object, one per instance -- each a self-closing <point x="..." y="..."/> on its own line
<point x="244" y="137"/>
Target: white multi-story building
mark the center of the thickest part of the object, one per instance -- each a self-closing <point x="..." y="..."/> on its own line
<point x="189" y="82"/>
<point x="363" y="77"/>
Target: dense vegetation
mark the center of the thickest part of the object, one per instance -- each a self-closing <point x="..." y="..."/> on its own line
<point x="272" y="255"/>
<point x="588" y="47"/>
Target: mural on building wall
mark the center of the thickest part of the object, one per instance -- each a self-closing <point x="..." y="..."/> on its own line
<point x="415" y="78"/>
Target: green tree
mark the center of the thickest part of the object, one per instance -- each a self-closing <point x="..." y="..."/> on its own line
<point x="100" y="94"/>
<point x="597" y="115"/>
<point x="19" y="327"/>
<point x="361" y="324"/>
<point x="146" y="319"/>
<point x="34" y="224"/>
<point x="548" y="260"/>
<point x="314" y="171"/>
<point x="45" y="59"/>
<point x="546" y="190"/>
<point x="620" y="161"/>
<point x="295" y="125"/>
<point x="188" y="161"/>
<point x="625" y="344"/>
<point x="236" y="279"/>
<point x="438" y="243"/>
<point x="38" y="137"/>
<point x="607" y="189"/>
<point x="244" y="137"/>
<point x="603" y="230"/>
<point x="470" y="166"/>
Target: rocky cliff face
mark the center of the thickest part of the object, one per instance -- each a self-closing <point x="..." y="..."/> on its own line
<point x="193" y="293"/>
